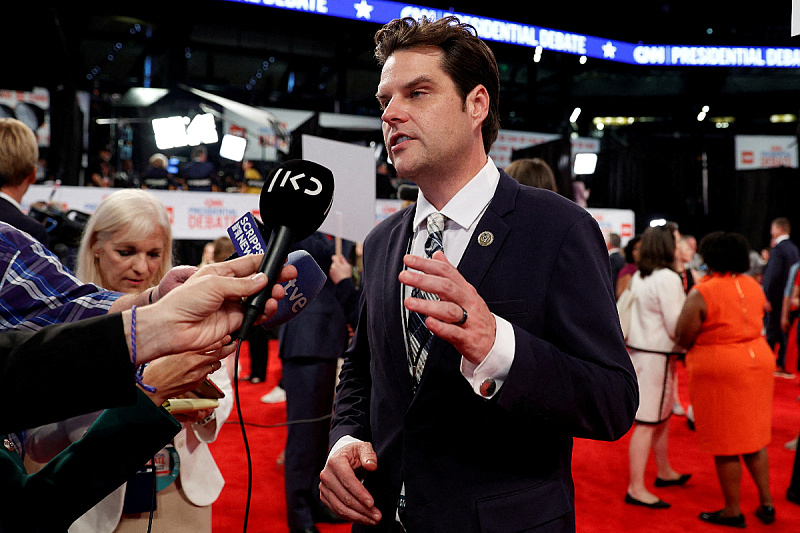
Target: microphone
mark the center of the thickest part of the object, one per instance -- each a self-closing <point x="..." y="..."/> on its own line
<point x="299" y="291"/>
<point x="246" y="237"/>
<point x="295" y="200"/>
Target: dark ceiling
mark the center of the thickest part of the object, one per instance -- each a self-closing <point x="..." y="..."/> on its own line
<point x="220" y="46"/>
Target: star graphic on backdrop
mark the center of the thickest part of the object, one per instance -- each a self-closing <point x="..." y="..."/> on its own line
<point x="609" y="50"/>
<point x="363" y="9"/>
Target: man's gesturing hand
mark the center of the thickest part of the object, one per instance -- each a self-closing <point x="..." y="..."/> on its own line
<point x="473" y="337"/>
<point x="342" y="491"/>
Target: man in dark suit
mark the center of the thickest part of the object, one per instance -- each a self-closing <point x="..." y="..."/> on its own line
<point x="782" y="256"/>
<point x="615" y="257"/>
<point x="310" y="347"/>
<point x="199" y="174"/>
<point x="19" y="154"/>
<point x="471" y="429"/>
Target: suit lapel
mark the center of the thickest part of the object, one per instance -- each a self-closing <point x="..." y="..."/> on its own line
<point x="399" y="238"/>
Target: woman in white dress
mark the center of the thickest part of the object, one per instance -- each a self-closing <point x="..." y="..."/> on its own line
<point x="658" y="299"/>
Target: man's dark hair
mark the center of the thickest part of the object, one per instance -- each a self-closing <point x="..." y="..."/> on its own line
<point x="725" y="252"/>
<point x="466" y="58"/>
<point x="657" y="250"/>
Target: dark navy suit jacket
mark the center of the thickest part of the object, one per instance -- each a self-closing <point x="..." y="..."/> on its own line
<point x="320" y="331"/>
<point x="14" y="217"/>
<point x="471" y="464"/>
<point x="781" y="258"/>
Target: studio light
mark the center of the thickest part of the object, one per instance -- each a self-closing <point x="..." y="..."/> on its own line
<point x="232" y="147"/>
<point x="172" y="132"/>
<point x="585" y="163"/>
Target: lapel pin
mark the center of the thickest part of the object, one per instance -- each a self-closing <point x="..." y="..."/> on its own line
<point x="485" y="238"/>
<point x="8" y="445"/>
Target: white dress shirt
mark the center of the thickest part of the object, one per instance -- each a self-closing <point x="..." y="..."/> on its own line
<point x="463" y="212"/>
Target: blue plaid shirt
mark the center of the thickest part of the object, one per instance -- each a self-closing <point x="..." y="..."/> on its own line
<point x="36" y="290"/>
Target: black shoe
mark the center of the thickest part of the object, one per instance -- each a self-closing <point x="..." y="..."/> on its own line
<point x="312" y="529"/>
<point x="690" y="423"/>
<point x="793" y="496"/>
<point x="326" y="516"/>
<point x="717" y="518"/>
<point x="766" y="513"/>
<point x="660" y="504"/>
<point x="672" y="482"/>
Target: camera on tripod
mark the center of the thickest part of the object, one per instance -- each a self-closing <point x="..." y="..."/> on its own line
<point x="65" y="229"/>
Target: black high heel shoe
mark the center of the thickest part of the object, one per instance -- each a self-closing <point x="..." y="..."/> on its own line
<point x="672" y="482"/>
<point x="766" y="513"/>
<point x="717" y="518"/>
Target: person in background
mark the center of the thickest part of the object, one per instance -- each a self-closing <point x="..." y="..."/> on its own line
<point x="347" y="278"/>
<point x="615" y="257"/>
<point x="534" y="172"/>
<point x="631" y="258"/>
<point x="782" y="256"/>
<point x="127" y="176"/>
<point x="102" y="173"/>
<point x="252" y="181"/>
<point x="127" y="247"/>
<point x="659" y="297"/>
<point x="19" y="153"/>
<point x="309" y="347"/>
<point x="730" y="369"/>
<point x="199" y="174"/>
<point x="156" y="175"/>
<point x="208" y="254"/>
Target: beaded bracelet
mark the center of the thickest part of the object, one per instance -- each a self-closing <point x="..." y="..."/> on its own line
<point x="140" y="369"/>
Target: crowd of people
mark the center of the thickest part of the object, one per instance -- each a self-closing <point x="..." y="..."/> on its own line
<point x="708" y="308"/>
<point x="459" y="393"/>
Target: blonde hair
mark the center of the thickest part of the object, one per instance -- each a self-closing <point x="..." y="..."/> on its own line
<point x="135" y="211"/>
<point x="19" y="151"/>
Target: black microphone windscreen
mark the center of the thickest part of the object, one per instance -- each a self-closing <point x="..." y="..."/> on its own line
<point x="298" y="195"/>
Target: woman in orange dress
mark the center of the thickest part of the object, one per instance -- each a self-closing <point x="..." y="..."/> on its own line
<point x="730" y="369"/>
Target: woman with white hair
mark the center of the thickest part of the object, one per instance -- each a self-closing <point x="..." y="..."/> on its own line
<point x="127" y="247"/>
<point x="127" y="243"/>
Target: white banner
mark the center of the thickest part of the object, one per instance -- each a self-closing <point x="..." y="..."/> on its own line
<point x="619" y="221"/>
<point x="510" y="140"/>
<point x="765" y="151"/>
<point x="194" y="215"/>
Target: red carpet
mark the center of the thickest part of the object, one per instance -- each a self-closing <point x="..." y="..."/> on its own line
<point x="600" y="471"/>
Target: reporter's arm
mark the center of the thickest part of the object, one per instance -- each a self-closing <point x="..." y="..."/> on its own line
<point x="122" y="440"/>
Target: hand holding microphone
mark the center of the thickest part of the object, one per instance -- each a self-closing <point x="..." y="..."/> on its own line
<point x="295" y="200"/>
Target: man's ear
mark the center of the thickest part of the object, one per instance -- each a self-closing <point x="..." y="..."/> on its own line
<point x="478" y="103"/>
<point x="31" y="179"/>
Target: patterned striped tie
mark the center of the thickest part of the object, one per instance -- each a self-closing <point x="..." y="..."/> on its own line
<point x="419" y="338"/>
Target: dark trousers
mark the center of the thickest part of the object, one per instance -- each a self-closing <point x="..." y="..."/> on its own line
<point x="794" y="484"/>
<point x="776" y="336"/>
<point x="259" y="351"/>
<point x="309" y="383"/>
